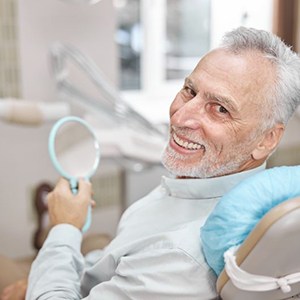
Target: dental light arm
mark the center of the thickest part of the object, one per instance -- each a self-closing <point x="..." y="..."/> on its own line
<point x="112" y="104"/>
<point x="31" y="112"/>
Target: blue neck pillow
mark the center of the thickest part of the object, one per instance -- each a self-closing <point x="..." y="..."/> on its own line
<point x="238" y="211"/>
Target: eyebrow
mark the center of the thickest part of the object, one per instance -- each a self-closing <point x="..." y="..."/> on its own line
<point x="188" y="81"/>
<point x="228" y="102"/>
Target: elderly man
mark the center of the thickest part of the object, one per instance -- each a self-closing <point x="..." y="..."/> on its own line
<point x="226" y="120"/>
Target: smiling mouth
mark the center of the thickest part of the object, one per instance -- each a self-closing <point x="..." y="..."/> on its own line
<point x="185" y="144"/>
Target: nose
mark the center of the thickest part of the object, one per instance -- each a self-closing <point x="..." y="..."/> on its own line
<point x="187" y="114"/>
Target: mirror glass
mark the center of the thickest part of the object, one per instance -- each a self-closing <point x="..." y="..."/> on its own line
<point x="76" y="149"/>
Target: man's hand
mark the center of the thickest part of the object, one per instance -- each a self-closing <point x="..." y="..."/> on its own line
<point x="65" y="207"/>
<point x="15" y="291"/>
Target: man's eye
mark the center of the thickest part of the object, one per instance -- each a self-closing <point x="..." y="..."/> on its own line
<point x="219" y="111"/>
<point x="189" y="92"/>
<point x="222" y="109"/>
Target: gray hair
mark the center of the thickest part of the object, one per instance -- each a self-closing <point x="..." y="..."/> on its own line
<point x="284" y="96"/>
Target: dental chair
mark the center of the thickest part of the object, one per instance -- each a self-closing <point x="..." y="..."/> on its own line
<point x="251" y="240"/>
<point x="267" y="264"/>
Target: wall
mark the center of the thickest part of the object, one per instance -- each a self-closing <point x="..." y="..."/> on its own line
<point x="226" y="15"/>
<point x="24" y="161"/>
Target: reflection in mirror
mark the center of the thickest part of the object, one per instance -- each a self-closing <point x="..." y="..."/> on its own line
<point x="76" y="149"/>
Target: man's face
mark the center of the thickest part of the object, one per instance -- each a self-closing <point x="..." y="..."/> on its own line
<point x="215" y="117"/>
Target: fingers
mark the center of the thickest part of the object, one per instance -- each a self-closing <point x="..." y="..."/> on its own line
<point x="62" y="190"/>
<point x="93" y="203"/>
<point x="63" y="186"/>
<point x="66" y="207"/>
<point x="85" y="189"/>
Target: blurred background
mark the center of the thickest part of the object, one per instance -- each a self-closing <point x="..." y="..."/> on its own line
<point x="130" y="54"/>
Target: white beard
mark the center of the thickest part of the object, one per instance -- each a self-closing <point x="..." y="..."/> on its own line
<point x="209" y="165"/>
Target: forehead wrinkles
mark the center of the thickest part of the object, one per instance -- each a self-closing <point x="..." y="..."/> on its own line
<point x="238" y="75"/>
<point x="217" y="75"/>
<point x="259" y="91"/>
<point x="260" y="70"/>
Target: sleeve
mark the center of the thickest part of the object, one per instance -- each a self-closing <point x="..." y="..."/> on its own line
<point x="92" y="257"/>
<point x="57" y="270"/>
<point x="163" y="274"/>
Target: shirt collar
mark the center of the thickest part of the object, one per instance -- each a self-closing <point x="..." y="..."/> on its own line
<point x="205" y="188"/>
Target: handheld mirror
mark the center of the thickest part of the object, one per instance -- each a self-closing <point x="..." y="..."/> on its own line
<point x="75" y="153"/>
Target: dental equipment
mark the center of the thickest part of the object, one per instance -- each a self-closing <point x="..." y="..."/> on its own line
<point x="82" y="162"/>
<point x="31" y="112"/>
<point x="121" y="111"/>
<point x="114" y="105"/>
<point x="132" y="133"/>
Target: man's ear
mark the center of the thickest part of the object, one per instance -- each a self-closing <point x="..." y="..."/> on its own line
<point x="268" y="142"/>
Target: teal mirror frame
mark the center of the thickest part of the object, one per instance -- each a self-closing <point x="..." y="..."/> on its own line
<point x="73" y="180"/>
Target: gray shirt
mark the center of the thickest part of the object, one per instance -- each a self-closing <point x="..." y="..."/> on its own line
<point x="156" y="253"/>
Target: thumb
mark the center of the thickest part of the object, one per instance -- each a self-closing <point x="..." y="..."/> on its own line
<point x="84" y="189"/>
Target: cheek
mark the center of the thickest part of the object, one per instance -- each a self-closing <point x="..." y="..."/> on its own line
<point x="219" y="135"/>
<point x="235" y="136"/>
<point x="233" y="131"/>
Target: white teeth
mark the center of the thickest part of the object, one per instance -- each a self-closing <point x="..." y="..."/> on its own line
<point x="187" y="145"/>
